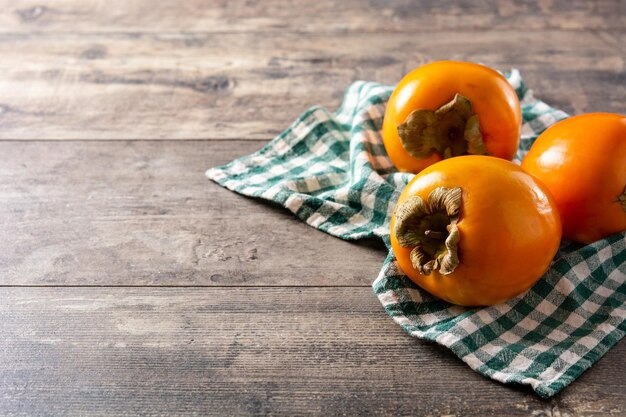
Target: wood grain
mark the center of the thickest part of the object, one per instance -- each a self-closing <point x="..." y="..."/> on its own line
<point x="245" y="86"/>
<point x="88" y="16"/>
<point x="143" y="213"/>
<point x="203" y="351"/>
<point x="101" y="225"/>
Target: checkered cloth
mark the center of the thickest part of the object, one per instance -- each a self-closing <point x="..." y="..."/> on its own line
<point x="331" y="170"/>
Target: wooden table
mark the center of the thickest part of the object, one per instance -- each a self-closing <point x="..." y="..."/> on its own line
<point x="132" y="285"/>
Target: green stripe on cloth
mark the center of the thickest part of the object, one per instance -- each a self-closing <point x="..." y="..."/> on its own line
<point x="331" y="170"/>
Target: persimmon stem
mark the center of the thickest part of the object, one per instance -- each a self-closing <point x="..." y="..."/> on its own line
<point x="451" y="130"/>
<point x="430" y="228"/>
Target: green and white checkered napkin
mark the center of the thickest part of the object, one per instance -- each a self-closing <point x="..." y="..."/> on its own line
<point x="331" y="170"/>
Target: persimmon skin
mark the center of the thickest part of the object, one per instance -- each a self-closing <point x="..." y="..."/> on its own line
<point x="582" y="160"/>
<point x="509" y="229"/>
<point x="432" y="85"/>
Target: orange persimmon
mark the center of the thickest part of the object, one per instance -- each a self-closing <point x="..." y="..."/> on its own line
<point x="475" y="230"/>
<point x="448" y="108"/>
<point x="582" y="160"/>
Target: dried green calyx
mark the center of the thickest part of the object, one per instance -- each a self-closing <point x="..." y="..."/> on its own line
<point x="451" y="130"/>
<point x="430" y="228"/>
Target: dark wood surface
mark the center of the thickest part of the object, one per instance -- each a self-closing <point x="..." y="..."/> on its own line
<point x="251" y="85"/>
<point x="131" y="285"/>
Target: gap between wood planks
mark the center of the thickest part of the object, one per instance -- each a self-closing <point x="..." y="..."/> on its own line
<point x="275" y="16"/>
<point x="217" y="139"/>
<point x="180" y="286"/>
<point x="181" y="33"/>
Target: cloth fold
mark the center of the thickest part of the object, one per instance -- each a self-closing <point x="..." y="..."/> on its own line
<point x="331" y="170"/>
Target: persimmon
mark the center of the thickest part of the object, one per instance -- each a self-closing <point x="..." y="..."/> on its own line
<point x="475" y="230"/>
<point x="448" y="108"/>
<point x="582" y="160"/>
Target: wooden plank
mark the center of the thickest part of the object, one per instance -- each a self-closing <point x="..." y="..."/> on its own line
<point x="246" y="86"/>
<point x="143" y="213"/>
<point x="323" y="351"/>
<point x="319" y="16"/>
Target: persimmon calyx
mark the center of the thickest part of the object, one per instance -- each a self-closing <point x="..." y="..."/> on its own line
<point x="452" y="130"/>
<point x="622" y="199"/>
<point x="430" y="228"/>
